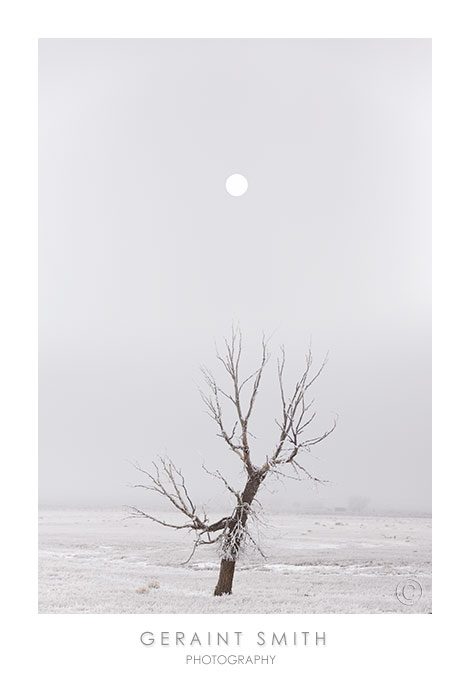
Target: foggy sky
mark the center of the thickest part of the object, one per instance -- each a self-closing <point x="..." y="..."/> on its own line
<point x="145" y="259"/>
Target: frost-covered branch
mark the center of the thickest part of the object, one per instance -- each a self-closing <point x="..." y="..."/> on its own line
<point x="296" y="417"/>
<point x="168" y="481"/>
<point x="236" y="436"/>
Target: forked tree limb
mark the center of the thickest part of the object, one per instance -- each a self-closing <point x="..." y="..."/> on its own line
<point x="238" y="442"/>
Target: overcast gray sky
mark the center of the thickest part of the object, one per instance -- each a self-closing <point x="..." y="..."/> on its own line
<point x="145" y="259"/>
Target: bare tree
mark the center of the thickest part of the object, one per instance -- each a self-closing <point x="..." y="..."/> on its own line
<point x="231" y="532"/>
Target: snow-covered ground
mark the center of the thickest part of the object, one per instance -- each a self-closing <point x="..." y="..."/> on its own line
<point x="102" y="562"/>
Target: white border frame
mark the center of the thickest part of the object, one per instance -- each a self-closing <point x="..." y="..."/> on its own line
<point x="107" y="645"/>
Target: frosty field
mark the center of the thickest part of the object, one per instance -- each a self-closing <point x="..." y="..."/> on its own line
<point x="103" y="562"/>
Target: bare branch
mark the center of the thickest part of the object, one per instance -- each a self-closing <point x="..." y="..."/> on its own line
<point x="295" y="414"/>
<point x="218" y="475"/>
<point x="231" y="361"/>
<point x="197" y="542"/>
<point x="173" y="487"/>
<point x="139" y="513"/>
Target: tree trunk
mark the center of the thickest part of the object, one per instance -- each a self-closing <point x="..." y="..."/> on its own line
<point x="227" y="565"/>
<point x="225" y="578"/>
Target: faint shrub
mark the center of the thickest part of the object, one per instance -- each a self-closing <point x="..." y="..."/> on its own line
<point x="358" y="504"/>
<point x="153" y="584"/>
